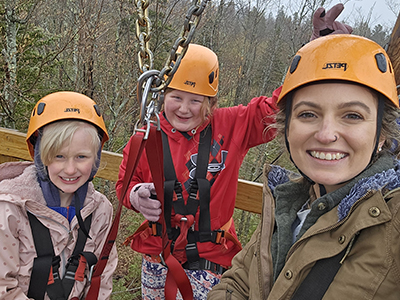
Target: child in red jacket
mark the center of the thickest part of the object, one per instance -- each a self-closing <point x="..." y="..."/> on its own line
<point x="190" y="118"/>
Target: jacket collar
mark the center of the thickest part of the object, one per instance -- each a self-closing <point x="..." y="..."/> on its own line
<point x="388" y="179"/>
<point x="384" y="173"/>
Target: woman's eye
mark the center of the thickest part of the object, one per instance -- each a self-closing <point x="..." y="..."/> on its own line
<point x="354" y="116"/>
<point x="306" y="115"/>
<point x="59" y="156"/>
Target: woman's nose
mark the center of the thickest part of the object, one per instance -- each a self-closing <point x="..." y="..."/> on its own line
<point x="327" y="133"/>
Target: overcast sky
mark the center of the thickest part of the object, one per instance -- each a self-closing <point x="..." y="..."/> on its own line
<point x="380" y="10"/>
<point x="354" y="10"/>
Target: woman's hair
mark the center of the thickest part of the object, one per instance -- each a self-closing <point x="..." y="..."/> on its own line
<point x="390" y="128"/>
<point x="56" y="134"/>
<point x="208" y="106"/>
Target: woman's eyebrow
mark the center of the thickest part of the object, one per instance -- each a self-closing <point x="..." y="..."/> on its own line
<point x="307" y="103"/>
<point x="342" y="105"/>
<point x="355" y="103"/>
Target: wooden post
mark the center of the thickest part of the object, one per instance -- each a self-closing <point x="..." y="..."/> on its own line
<point x="393" y="51"/>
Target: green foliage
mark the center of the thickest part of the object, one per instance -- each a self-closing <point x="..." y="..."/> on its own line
<point x="247" y="224"/>
<point x="93" y="49"/>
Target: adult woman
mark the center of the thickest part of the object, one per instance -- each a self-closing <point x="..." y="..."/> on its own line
<point x="334" y="231"/>
<point x="53" y="222"/>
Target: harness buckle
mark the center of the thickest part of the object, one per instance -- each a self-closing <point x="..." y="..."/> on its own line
<point x="219" y="235"/>
<point x="184" y="219"/>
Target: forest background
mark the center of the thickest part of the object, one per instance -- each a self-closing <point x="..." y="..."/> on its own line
<point x="90" y="46"/>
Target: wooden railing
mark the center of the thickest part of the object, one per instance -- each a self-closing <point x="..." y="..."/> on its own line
<point x="13" y="147"/>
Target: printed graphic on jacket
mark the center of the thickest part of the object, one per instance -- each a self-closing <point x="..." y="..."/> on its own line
<point x="216" y="163"/>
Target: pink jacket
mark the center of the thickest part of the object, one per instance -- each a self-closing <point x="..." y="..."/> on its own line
<point x="21" y="192"/>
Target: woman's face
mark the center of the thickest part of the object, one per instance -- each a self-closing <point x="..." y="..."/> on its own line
<point x="332" y="131"/>
<point x="184" y="110"/>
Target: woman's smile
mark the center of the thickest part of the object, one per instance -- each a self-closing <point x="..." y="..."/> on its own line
<point x="327" y="155"/>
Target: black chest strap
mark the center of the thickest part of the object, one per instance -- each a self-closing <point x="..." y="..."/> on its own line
<point x="198" y="184"/>
<point x="46" y="264"/>
<point x="42" y="263"/>
<point x="318" y="280"/>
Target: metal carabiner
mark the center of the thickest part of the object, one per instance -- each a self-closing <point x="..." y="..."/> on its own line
<point x="146" y="131"/>
<point x="146" y="83"/>
<point x="91" y="273"/>
<point x="162" y="261"/>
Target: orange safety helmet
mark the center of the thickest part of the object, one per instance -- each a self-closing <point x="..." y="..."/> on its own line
<point x="198" y="72"/>
<point x="61" y="106"/>
<point x="342" y="57"/>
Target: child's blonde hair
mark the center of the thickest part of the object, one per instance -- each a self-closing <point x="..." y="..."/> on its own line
<point x="56" y="134"/>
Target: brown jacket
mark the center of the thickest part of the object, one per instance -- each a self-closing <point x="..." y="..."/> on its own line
<point x="371" y="269"/>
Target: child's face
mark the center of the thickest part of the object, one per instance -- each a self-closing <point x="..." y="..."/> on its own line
<point x="184" y="110"/>
<point x="72" y="165"/>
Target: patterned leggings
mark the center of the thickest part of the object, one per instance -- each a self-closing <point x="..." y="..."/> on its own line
<point x="154" y="275"/>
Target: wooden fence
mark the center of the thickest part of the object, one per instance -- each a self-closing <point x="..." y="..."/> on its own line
<point x="13" y="147"/>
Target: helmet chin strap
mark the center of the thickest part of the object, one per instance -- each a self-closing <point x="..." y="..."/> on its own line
<point x="381" y="105"/>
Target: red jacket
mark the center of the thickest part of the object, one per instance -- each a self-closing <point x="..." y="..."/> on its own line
<point x="234" y="131"/>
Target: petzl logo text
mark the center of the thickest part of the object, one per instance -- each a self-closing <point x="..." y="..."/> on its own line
<point x="72" y="110"/>
<point x="335" y="66"/>
<point x="191" y="83"/>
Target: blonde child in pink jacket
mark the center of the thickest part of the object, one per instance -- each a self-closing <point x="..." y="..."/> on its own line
<point x="53" y="223"/>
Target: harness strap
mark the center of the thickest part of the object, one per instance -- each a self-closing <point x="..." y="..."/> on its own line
<point x="77" y="258"/>
<point x="318" y="280"/>
<point x="172" y="185"/>
<point x="135" y="151"/>
<point x="187" y="211"/>
<point x="176" y="276"/>
<point x="42" y="263"/>
<point x="181" y="242"/>
<point x="321" y="275"/>
<point x="204" y="264"/>
<point x="57" y="288"/>
<point x="202" y="183"/>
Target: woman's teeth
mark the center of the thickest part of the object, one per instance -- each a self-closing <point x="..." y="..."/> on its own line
<point x="327" y="156"/>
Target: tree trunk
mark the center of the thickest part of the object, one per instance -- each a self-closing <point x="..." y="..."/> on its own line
<point x="10" y="58"/>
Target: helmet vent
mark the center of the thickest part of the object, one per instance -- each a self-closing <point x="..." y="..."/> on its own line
<point x="295" y="63"/>
<point x="40" y="108"/>
<point x="97" y="109"/>
<point x="381" y="62"/>
<point x="211" y="77"/>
